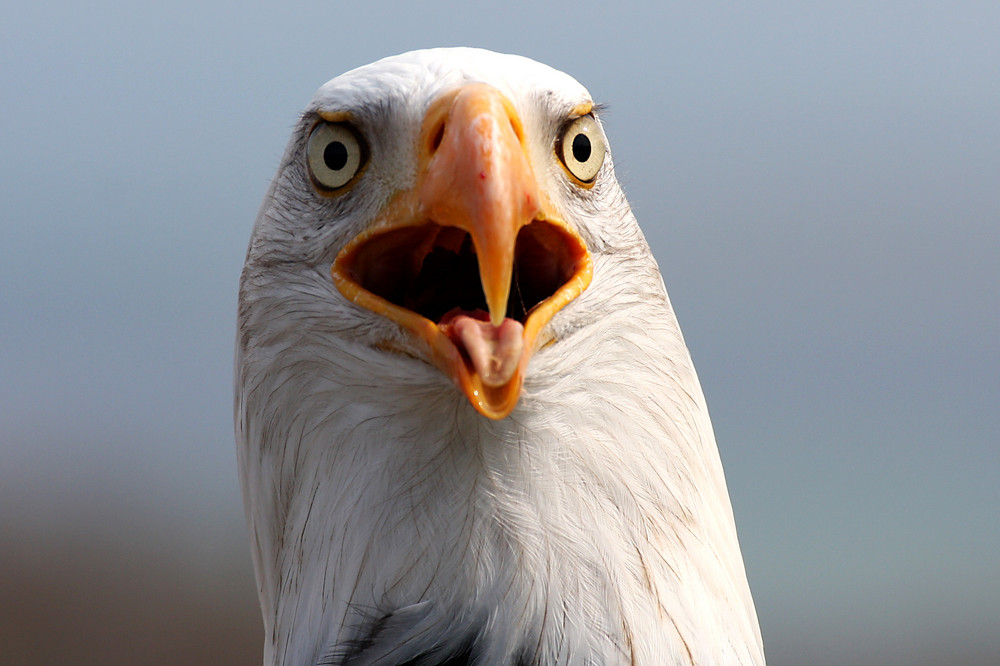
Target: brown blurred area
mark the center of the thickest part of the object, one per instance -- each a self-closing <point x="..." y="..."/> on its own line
<point x="76" y="596"/>
<point x="106" y="586"/>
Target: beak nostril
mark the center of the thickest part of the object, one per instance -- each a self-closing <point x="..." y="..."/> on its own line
<point x="436" y="137"/>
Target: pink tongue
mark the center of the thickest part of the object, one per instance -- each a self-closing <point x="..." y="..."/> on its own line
<point x="495" y="351"/>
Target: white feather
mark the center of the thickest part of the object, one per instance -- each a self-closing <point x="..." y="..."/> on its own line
<point x="591" y="526"/>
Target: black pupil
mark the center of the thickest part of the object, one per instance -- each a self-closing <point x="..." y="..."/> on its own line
<point x="335" y="155"/>
<point x="581" y="148"/>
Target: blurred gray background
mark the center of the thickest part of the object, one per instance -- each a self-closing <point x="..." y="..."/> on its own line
<point x="820" y="183"/>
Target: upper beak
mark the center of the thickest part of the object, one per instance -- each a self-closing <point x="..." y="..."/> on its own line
<point x="478" y="179"/>
<point x="474" y="183"/>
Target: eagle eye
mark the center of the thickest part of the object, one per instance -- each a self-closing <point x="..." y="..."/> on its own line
<point x="335" y="154"/>
<point x="581" y="148"/>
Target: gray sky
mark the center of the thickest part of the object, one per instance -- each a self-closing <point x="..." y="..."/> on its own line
<point x="820" y="183"/>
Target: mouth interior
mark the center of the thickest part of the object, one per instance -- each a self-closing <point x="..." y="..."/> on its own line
<point x="433" y="270"/>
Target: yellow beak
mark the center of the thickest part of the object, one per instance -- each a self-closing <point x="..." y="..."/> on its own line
<point x="476" y="202"/>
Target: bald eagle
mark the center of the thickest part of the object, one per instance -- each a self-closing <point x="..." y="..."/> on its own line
<point x="469" y="430"/>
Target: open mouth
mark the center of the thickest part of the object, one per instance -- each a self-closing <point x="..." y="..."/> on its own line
<point x="427" y="278"/>
<point x="433" y="270"/>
